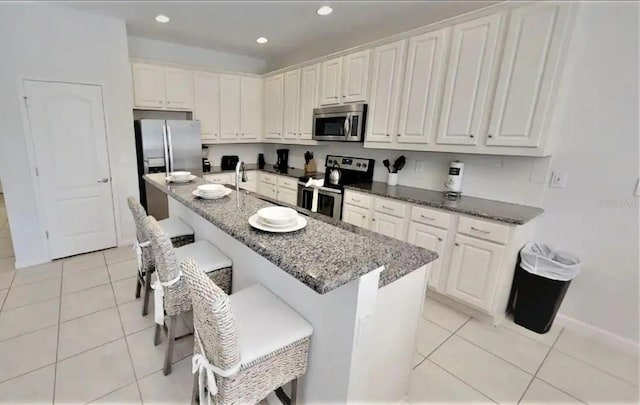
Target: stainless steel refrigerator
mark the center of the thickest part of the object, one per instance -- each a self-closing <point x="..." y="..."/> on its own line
<point x="165" y="146"/>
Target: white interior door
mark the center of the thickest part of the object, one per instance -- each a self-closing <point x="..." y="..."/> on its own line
<point x="70" y="148"/>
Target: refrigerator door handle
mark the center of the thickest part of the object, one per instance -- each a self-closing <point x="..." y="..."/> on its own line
<point x="170" y="143"/>
<point x="167" y="164"/>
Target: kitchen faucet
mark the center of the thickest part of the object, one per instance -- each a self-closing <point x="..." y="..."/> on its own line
<point x="241" y="176"/>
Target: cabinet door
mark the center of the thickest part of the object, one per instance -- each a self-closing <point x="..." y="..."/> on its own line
<point x="148" y="85"/>
<point x="206" y="105"/>
<point x="288" y="196"/>
<point x="521" y="107"/>
<point x="356" y="216"/>
<point x="385" y="89"/>
<point x="388" y="225"/>
<point x="291" y="104"/>
<point x="273" y="106"/>
<point x="423" y="83"/>
<point x="250" y="108"/>
<point x="268" y="190"/>
<point x="331" y="81"/>
<point x="355" y="77"/>
<point x="474" y="269"/>
<point x="310" y="82"/>
<point x="229" y="106"/>
<point x="471" y="65"/>
<point x="178" y="89"/>
<point x="431" y="238"/>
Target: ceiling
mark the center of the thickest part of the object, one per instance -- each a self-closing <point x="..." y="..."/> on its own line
<point x="295" y="31"/>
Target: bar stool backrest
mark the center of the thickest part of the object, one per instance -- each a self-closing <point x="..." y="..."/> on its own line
<point x="166" y="265"/>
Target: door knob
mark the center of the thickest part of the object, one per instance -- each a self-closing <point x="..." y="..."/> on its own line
<point x="104" y="180"/>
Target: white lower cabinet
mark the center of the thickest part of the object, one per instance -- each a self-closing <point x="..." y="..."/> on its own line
<point x="356" y="216"/>
<point x="473" y="273"/>
<point x="388" y="225"/>
<point x="431" y="238"/>
<point x="286" y="195"/>
<point x="220" y="178"/>
<point x="268" y="190"/>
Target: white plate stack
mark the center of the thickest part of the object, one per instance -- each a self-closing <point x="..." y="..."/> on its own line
<point x="211" y="191"/>
<point x="277" y="219"/>
<point x="180" y="177"/>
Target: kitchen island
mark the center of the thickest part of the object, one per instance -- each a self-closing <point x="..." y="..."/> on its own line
<point x="362" y="292"/>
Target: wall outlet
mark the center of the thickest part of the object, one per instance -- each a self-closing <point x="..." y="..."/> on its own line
<point x="558" y="180"/>
<point x="420" y="166"/>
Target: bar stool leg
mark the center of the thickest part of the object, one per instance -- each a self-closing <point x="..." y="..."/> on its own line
<point x="171" y="339"/>
<point x="294" y="392"/>
<point x="147" y="292"/>
<point x="195" y="395"/>
<point x="157" y="338"/>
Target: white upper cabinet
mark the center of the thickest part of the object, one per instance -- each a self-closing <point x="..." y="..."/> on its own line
<point x="423" y="81"/>
<point x="291" y="104"/>
<point x="385" y="89"/>
<point x="207" y="104"/>
<point x="250" y="108"/>
<point x="355" y="77"/>
<point x="148" y="85"/>
<point x="521" y="108"/>
<point x="331" y="81"/>
<point x="178" y="88"/>
<point x="274" y="106"/>
<point x="471" y="65"/>
<point x="229" y="106"/>
<point x="309" y="83"/>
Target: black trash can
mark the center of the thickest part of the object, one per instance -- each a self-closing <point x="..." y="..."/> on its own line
<point x="536" y="298"/>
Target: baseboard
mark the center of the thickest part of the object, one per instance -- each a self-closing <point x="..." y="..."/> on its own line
<point x="28" y="263"/>
<point x="621" y="342"/>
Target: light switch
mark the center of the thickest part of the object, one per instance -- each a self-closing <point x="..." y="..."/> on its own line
<point x="637" y="192"/>
<point x="420" y="166"/>
<point x="559" y="180"/>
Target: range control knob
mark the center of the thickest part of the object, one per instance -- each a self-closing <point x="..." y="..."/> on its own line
<point x="358" y="165"/>
<point x="364" y="165"/>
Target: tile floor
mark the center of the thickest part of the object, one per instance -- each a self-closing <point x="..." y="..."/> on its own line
<point x="71" y="332"/>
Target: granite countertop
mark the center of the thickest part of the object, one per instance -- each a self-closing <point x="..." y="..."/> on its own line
<point x="325" y="255"/>
<point x="478" y="207"/>
<point x="268" y="168"/>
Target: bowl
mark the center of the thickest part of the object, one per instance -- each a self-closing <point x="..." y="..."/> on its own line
<point x="211" y="188"/>
<point x="180" y="176"/>
<point x="277" y="216"/>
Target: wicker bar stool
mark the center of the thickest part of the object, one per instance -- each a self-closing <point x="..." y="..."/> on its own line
<point x="246" y="345"/>
<point x="171" y="293"/>
<point x="180" y="234"/>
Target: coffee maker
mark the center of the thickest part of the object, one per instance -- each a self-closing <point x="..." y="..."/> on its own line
<point x="206" y="164"/>
<point x="283" y="160"/>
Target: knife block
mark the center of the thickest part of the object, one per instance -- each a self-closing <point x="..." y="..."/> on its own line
<point x="310" y="167"/>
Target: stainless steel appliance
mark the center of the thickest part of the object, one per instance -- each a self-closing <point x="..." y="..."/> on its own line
<point x="352" y="171"/>
<point x="165" y="146"/>
<point x="343" y="123"/>
<point x="229" y="162"/>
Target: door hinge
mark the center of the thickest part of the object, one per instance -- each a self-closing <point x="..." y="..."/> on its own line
<point x="47" y="234"/>
<point x="37" y="172"/>
<point x="25" y="101"/>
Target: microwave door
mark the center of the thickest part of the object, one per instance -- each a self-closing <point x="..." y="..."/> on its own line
<point x="330" y="127"/>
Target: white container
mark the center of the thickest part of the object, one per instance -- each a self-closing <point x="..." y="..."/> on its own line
<point x="180" y="176"/>
<point x="392" y="179"/>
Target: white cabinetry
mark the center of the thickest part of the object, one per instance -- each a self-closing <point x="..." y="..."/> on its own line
<point x="148" y="85"/>
<point x="207" y="104"/>
<point x="250" y="108"/>
<point x="472" y="64"/>
<point x="279" y="188"/>
<point x="521" y="109"/>
<point x="432" y="238"/>
<point x="291" y="104"/>
<point x="345" y="79"/>
<point x="356" y="216"/>
<point x="385" y="89"/>
<point x="274" y="106"/>
<point x="475" y="265"/>
<point x="220" y="178"/>
<point x="310" y="82"/>
<point x="388" y="225"/>
<point x="178" y="88"/>
<point x="423" y="82"/>
<point x="229" y="106"/>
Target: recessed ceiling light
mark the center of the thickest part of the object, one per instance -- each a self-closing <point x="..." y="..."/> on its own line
<point x="324" y="10"/>
<point x="161" y="18"/>
<point x="262" y="40"/>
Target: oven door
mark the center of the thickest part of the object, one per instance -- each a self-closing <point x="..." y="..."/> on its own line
<point x="331" y="127"/>
<point x="329" y="202"/>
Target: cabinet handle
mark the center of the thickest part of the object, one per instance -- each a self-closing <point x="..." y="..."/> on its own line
<point x="457" y="244"/>
<point x="160" y="101"/>
<point x="473" y="228"/>
<point x="168" y="102"/>
<point x="387" y="208"/>
<point x="373" y="219"/>
<point x="399" y="134"/>
<point x="387" y="134"/>
<point x="242" y="134"/>
<point x="363" y="217"/>
<point x="426" y="217"/>
<point x="471" y="136"/>
<point x="439" y="239"/>
<point x="355" y="199"/>
<point x="490" y="136"/>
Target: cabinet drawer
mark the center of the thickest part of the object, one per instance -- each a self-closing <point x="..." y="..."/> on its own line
<point x="484" y="230"/>
<point x="357" y="199"/>
<point x="394" y="208"/>
<point x="431" y="217"/>
<point x="268" y="178"/>
<point x="223" y="178"/>
<point x="288" y="182"/>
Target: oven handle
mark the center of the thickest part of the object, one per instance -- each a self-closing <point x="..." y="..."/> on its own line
<point x="347" y="125"/>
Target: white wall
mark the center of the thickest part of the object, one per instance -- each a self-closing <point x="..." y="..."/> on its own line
<point x="596" y="215"/>
<point x="189" y="55"/>
<point x="60" y="44"/>
<point x="246" y="152"/>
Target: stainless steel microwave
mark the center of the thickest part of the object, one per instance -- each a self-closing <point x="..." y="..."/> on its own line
<point x="343" y="123"/>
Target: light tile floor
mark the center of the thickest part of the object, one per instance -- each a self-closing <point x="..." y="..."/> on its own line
<point x="72" y="332"/>
<point x="460" y="359"/>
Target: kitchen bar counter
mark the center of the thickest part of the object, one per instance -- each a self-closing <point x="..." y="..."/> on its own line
<point x="291" y="172"/>
<point x="324" y="256"/>
<point x="478" y="207"/>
